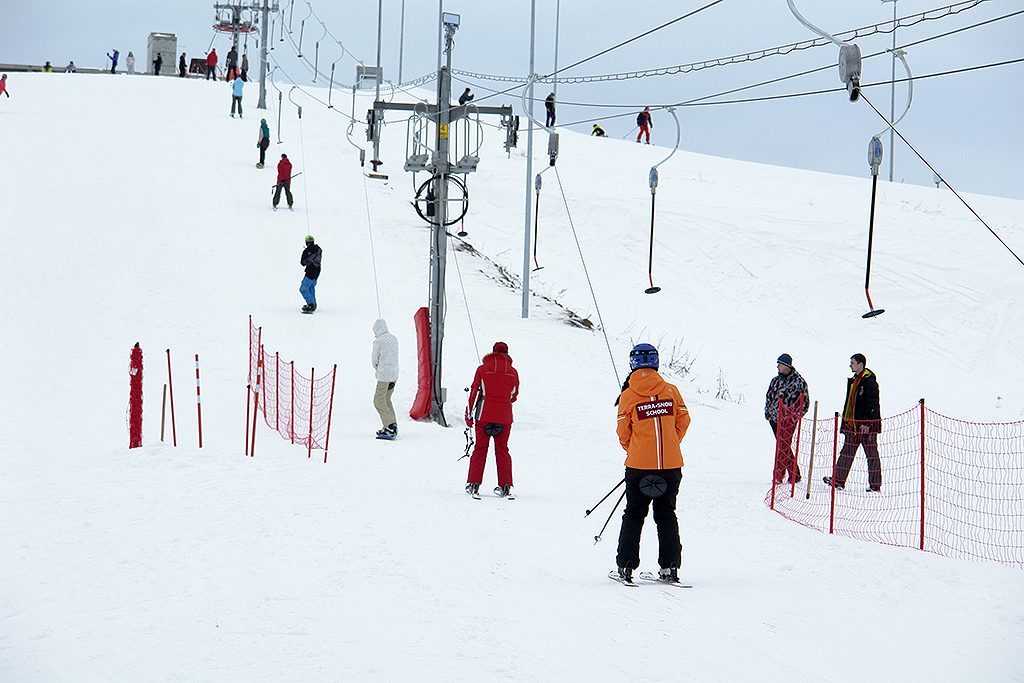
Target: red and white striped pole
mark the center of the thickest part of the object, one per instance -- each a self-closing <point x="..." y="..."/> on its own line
<point x="330" y="410"/>
<point x="199" y="404"/>
<point x="170" y="385"/>
<point x="256" y="404"/>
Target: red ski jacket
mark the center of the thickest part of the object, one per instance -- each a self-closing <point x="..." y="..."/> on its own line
<point x="496" y="385"/>
<point x="211" y="59"/>
<point x="284" y="171"/>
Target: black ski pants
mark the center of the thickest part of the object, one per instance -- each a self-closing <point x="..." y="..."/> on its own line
<point x="264" y="143"/>
<point x="549" y="119"/>
<point x="670" y="550"/>
<point x="287" y="186"/>
<point x="236" y="101"/>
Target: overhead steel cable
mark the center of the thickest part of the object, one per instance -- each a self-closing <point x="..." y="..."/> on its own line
<point x="635" y="38"/>
<point x="852" y="34"/>
<point x="772" y="80"/>
<point x="766" y="98"/>
<point x="607" y="50"/>
<point x="943" y="180"/>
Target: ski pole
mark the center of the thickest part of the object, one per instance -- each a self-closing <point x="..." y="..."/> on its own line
<point x="605" y="498"/>
<point x="598" y="537"/>
<point x="294" y="176"/>
<point x="469" y="443"/>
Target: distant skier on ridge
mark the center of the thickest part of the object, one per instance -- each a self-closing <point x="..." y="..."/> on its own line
<point x="643" y="119"/>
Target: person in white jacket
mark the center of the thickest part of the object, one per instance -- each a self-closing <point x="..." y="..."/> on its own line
<point x="385" y="363"/>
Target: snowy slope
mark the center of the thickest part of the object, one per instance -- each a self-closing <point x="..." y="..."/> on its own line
<point x="132" y="212"/>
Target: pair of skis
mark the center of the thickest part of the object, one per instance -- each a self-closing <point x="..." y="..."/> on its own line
<point x="645" y="576"/>
<point x="497" y="492"/>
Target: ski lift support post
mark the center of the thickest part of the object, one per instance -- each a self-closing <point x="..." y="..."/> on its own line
<point x="652" y="180"/>
<point x="443" y="115"/>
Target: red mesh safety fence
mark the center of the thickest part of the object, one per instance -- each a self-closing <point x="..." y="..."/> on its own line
<point x="947" y="486"/>
<point x="295" y="405"/>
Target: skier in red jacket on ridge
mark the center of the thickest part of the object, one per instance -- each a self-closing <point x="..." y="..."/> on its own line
<point x="495" y="388"/>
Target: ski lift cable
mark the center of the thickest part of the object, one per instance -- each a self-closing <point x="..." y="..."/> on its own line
<point x="901" y="54"/>
<point x="754" y="85"/>
<point x="465" y="298"/>
<point x="862" y="32"/>
<point x="373" y="253"/>
<point x="767" y="98"/>
<point x="821" y="32"/>
<point x="635" y="38"/>
<point x="302" y="151"/>
<point x="943" y="180"/>
<point x="600" y="318"/>
<point x="679" y="136"/>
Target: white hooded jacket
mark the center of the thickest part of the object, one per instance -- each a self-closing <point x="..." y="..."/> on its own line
<point x="385" y="353"/>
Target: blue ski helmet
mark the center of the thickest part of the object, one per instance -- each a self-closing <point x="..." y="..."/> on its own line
<point x="643" y="356"/>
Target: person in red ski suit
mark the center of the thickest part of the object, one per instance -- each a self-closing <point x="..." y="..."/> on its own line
<point x="211" y="65"/>
<point x="495" y="388"/>
<point x="643" y="119"/>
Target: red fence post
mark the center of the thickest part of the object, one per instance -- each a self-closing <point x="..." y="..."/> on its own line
<point x="835" y="448"/>
<point x="921" y="546"/>
<point x="248" y="402"/>
<point x="163" y="414"/>
<point x="330" y="410"/>
<point x="248" y="367"/>
<point x="277" y="393"/>
<point x="256" y="403"/>
<point x="135" y="397"/>
<point x="170" y="384"/>
<point x="312" y="386"/>
<point x="199" y="404"/>
<point x="291" y="410"/>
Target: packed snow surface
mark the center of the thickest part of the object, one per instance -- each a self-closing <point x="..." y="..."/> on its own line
<point x="133" y="212"/>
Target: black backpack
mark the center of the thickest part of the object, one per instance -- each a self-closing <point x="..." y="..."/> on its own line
<point x="640" y="119"/>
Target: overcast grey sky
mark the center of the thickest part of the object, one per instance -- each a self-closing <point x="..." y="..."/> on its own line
<point x="967" y="125"/>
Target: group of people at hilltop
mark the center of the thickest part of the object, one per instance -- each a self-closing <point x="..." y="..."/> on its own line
<point x="233" y="69"/>
<point x="643" y="120"/>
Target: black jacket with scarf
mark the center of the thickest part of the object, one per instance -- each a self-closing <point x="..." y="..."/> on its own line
<point x="865" y="404"/>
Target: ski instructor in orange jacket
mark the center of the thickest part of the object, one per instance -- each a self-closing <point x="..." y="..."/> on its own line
<point x="651" y="424"/>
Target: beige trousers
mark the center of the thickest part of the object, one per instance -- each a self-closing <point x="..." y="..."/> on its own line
<point x="382" y="402"/>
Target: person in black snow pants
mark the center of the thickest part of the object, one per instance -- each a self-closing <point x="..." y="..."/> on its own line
<point x="549" y="107"/>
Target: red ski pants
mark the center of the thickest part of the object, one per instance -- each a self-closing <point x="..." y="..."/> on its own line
<point x="644" y="130"/>
<point x="501" y="454"/>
